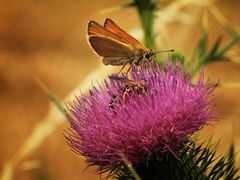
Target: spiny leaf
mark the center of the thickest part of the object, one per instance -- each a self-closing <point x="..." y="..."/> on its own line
<point x="202" y="44"/>
<point x="216" y="53"/>
<point x="195" y="162"/>
<point x="213" y="54"/>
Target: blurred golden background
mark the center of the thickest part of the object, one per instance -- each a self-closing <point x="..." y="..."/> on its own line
<point x="46" y="41"/>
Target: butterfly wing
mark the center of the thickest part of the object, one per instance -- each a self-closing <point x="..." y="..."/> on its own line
<point x="96" y="29"/>
<point x="112" y="51"/>
<point x="111" y="26"/>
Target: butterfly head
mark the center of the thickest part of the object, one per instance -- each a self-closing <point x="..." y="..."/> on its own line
<point x="149" y="55"/>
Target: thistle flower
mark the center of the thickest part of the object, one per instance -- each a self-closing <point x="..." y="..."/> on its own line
<point x="153" y="114"/>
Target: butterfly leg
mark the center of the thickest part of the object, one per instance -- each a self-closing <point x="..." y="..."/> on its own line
<point x="122" y="67"/>
<point x="130" y="67"/>
<point x="142" y="64"/>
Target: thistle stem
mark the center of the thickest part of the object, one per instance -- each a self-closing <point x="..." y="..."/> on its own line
<point x="146" y="10"/>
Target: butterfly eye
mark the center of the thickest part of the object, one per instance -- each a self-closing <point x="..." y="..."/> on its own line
<point x="147" y="55"/>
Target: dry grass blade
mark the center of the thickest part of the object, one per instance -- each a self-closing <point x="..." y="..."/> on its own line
<point x="48" y="125"/>
<point x="130" y="167"/>
<point x="174" y="12"/>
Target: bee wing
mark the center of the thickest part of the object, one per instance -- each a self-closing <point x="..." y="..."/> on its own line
<point x="111" y="26"/>
<point x="113" y="52"/>
<point x="123" y="79"/>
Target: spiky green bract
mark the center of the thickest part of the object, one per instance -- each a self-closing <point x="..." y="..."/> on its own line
<point x="193" y="162"/>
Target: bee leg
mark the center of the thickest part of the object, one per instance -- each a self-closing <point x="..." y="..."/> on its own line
<point x="125" y="94"/>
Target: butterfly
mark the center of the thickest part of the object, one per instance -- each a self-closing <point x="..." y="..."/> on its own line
<point x="116" y="47"/>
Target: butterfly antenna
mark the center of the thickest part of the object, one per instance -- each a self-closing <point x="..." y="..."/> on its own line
<point x="168" y="50"/>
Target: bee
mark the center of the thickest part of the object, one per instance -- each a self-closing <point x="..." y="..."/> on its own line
<point x="129" y="86"/>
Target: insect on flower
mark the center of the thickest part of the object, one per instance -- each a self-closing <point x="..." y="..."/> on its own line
<point x="116" y="47"/>
<point x="145" y="127"/>
<point x="129" y="87"/>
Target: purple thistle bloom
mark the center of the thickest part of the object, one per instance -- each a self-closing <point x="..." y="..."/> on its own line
<point x="153" y="113"/>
